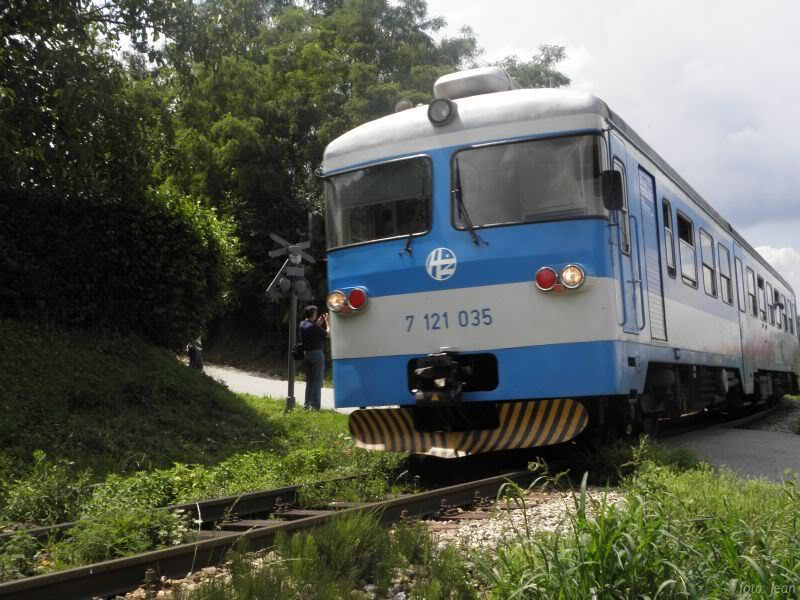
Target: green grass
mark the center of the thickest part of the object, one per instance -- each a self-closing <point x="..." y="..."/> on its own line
<point x="115" y="404"/>
<point x="693" y="533"/>
<point x="612" y="464"/>
<point x="149" y="432"/>
<point x="339" y="560"/>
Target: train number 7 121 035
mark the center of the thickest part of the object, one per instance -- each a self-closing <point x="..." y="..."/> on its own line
<point x="433" y="321"/>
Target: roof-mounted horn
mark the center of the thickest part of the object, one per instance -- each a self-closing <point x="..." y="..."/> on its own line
<point x="485" y="80"/>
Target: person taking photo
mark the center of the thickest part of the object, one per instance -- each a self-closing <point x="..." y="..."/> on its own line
<point x="313" y="331"/>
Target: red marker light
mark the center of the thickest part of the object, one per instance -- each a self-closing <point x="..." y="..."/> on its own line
<point x="546" y="279"/>
<point x="357" y="299"/>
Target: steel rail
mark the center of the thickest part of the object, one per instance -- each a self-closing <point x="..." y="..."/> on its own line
<point x="712" y="420"/>
<point x="208" y="511"/>
<point x="123" y="575"/>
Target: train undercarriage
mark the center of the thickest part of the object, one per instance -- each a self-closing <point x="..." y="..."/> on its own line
<point x="441" y="425"/>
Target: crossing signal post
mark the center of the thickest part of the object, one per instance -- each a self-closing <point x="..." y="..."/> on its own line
<point x="290" y="282"/>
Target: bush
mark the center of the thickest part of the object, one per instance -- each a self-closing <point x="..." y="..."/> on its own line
<point x="117" y="533"/>
<point x="17" y="557"/>
<point x="445" y="577"/>
<point x="52" y="493"/>
<point x="613" y="463"/>
<point x="159" y="265"/>
<point x="340" y="553"/>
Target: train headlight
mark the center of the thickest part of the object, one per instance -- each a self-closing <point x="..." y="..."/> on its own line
<point x="337" y="301"/>
<point x="572" y="277"/>
<point x="441" y="111"/>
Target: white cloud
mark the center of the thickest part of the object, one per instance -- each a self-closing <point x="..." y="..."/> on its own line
<point x="786" y="261"/>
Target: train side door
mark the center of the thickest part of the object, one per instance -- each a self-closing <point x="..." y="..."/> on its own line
<point x="652" y="256"/>
<point x="627" y="247"/>
<point x="749" y="328"/>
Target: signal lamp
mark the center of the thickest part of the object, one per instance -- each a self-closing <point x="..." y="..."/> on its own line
<point x="546" y="279"/>
<point x="285" y="284"/>
<point x="301" y="287"/>
<point x="441" y="111"/>
<point x="572" y="277"/>
<point x="357" y="298"/>
<point x="337" y="301"/>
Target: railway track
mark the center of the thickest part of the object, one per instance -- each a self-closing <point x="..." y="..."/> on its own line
<point x="122" y="575"/>
<point x="714" y="419"/>
<point x="205" y="511"/>
<point x="257" y="517"/>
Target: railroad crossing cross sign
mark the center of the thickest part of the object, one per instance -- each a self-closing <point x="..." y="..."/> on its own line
<point x="290" y="282"/>
<point x="293" y="250"/>
<point x="291" y="276"/>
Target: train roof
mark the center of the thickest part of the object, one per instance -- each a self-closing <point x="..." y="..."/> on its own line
<point x="498" y="116"/>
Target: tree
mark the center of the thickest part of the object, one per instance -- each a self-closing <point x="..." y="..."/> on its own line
<point x="540" y="71"/>
<point x="253" y="117"/>
<point x="229" y="103"/>
<point x="85" y="240"/>
<point x="70" y="120"/>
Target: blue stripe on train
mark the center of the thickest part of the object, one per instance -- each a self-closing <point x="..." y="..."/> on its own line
<point x="549" y="371"/>
<point x="556" y="370"/>
<point x="512" y="254"/>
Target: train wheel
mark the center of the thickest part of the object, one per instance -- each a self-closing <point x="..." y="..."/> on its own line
<point x="650" y="426"/>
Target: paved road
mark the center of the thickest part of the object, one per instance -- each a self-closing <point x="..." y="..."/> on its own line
<point x="749" y="452"/>
<point x="251" y="383"/>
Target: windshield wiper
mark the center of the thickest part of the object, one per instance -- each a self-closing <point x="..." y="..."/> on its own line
<point x="462" y="209"/>
<point x="410" y="237"/>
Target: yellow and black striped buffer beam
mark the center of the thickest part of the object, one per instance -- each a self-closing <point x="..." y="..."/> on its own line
<point x="526" y="424"/>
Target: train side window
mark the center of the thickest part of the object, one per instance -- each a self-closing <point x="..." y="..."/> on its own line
<point x="770" y="304"/>
<point x="725" y="284"/>
<point x="751" y="292"/>
<point x="686" y="243"/>
<point x="784" y="314"/>
<point x="739" y="284"/>
<point x="762" y="300"/>
<point x="669" y="236"/>
<point x="776" y="303"/>
<point x="624" y="218"/>
<point x="709" y="266"/>
<point x="792" y="317"/>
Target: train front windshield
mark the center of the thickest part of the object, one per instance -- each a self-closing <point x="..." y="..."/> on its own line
<point x="523" y="182"/>
<point x="381" y="202"/>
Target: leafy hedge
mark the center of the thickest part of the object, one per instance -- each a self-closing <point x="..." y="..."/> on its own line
<point x="159" y="265"/>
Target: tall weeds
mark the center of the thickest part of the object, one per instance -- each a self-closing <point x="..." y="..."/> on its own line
<point x="678" y="534"/>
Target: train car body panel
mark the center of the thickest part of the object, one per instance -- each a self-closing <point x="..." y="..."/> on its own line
<point x="666" y="320"/>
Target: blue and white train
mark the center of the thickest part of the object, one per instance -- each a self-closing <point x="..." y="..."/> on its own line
<point x="511" y="268"/>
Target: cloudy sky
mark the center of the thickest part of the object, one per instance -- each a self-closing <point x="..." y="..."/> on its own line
<point x="713" y="86"/>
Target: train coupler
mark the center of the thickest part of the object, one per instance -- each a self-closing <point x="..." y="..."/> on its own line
<point x="439" y="379"/>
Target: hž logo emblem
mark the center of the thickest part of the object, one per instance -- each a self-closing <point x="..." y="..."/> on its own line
<point x="441" y="264"/>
